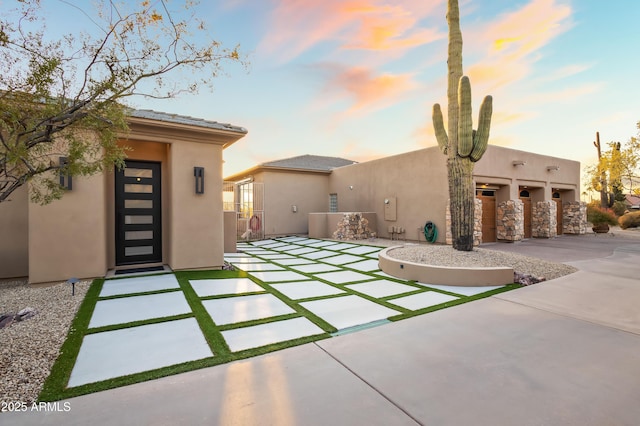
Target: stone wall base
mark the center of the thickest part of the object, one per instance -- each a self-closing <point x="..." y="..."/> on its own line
<point x="544" y="219"/>
<point x="574" y="217"/>
<point x="510" y="220"/>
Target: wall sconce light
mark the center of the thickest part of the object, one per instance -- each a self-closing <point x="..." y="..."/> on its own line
<point x="198" y="172"/>
<point x="66" y="181"/>
<point x="518" y="163"/>
<point x="351" y="187"/>
<point x="549" y="168"/>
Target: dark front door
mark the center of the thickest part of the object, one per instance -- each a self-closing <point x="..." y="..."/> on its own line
<point x="138" y="221"/>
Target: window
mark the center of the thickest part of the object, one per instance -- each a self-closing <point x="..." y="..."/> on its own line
<point x="333" y="203"/>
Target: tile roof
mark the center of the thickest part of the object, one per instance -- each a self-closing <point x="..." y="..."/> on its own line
<point x="309" y="162"/>
<point x="633" y="200"/>
<point x="183" y="119"/>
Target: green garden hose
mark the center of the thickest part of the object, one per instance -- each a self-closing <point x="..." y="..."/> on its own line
<point x="430" y="232"/>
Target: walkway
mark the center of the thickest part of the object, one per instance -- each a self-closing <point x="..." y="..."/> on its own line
<point x="297" y="290"/>
<point x="561" y="352"/>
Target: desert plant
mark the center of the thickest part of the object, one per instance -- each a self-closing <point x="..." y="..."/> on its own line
<point x="619" y="207"/>
<point x="463" y="145"/>
<point x="597" y="215"/>
<point x="629" y="220"/>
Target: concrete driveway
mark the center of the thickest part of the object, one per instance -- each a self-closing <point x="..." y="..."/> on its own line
<point x="563" y="352"/>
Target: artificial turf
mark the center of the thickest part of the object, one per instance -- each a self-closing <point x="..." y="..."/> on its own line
<point x="55" y="387"/>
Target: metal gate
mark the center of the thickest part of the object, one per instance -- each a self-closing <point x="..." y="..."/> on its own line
<point x="249" y="207"/>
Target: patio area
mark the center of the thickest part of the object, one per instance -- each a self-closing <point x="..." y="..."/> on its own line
<point x="287" y="291"/>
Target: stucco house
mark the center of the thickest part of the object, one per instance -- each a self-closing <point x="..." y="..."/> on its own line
<point x="164" y="208"/>
<point x="519" y="195"/>
<point x="275" y="197"/>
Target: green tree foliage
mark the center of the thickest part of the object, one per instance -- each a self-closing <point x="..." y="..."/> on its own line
<point x="67" y="97"/>
<point x="619" y="169"/>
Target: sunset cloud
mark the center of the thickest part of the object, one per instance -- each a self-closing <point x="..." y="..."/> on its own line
<point x="366" y="90"/>
<point x="514" y="41"/>
<point x="296" y="26"/>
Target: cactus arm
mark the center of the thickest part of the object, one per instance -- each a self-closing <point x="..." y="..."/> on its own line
<point x="465" y="122"/>
<point x="481" y="139"/>
<point x="438" y="126"/>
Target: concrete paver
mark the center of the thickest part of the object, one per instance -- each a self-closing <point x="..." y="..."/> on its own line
<point x="139" y="285"/>
<point x="255" y="336"/>
<point x="138" y="308"/>
<point x="236" y="309"/>
<point x="422" y="300"/>
<point x="222" y="286"/>
<point x="144" y="348"/>
<point x="348" y="311"/>
<point x="278" y="276"/>
<point x="381" y="288"/>
<point x="306" y="289"/>
<point x="342" y="277"/>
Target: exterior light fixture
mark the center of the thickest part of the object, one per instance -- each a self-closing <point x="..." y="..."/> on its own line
<point x="73" y="282"/>
<point x="351" y="187"/>
<point x="518" y="163"/>
<point x="549" y="168"/>
<point x="198" y="172"/>
<point x="66" y="181"/>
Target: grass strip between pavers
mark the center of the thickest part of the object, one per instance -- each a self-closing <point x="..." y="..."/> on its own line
<point x="55" y="386"/>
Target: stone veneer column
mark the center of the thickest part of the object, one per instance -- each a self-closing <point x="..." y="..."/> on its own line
<point x="544" y="219"/>
<point x="574" y="217"/>
<point x="510" y="220"/>
<point x="353" y="226"/>
<point x="477" y="223"/>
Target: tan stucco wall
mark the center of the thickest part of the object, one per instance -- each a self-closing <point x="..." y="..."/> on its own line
<point x="282" y="190"/>
<point x="418" y="181"/>
<point x="14" y="232"/>
<point x="496" y="167"/>
<point x="197" y="225"/>
<point x="75" y="236"/>
<point x="443" y="275"/>
<point x="67" y="238"/>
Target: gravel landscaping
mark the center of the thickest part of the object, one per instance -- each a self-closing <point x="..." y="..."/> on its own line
<point x="29" y="348"/>
<point x="446" y="256"/>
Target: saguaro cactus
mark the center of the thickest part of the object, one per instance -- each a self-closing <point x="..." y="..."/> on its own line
<point x="463" y="145"/>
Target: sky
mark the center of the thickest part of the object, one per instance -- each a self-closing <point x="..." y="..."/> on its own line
<point x="358" y="78"/>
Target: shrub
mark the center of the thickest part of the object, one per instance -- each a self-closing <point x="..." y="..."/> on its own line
<point x="619" y="207"/>
<point x="629" y="220"/>
<point x="597" y="215"/>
